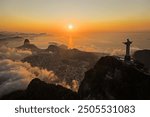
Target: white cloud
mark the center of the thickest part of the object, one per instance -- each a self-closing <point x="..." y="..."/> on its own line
<point x="13" y="53"/>
<point x="17" y="75"/>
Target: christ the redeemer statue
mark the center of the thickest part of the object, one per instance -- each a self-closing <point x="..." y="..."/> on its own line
<point x="127" y="56"/>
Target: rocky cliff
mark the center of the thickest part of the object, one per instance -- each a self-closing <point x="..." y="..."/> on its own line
<point x="112" y="78"/>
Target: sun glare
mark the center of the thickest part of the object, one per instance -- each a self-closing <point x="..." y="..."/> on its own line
<point x="70" y="26"/>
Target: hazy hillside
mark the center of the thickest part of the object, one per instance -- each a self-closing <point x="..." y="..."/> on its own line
<point x="67" y="64"/>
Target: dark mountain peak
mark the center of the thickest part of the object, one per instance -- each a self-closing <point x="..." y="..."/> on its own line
<point x="143" y="56"/>
<point x="53" y="48"/>
<point x="143" y="51"/>
<point x="109" y="62"/>
<point x="34" y="83"/>
<point x="28" y="46"/>
<point x="26" y="42"/>
<point x="112" y="78"/>
<point x="39" y="90"/>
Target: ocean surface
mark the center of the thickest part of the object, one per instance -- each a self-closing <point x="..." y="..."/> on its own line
<point x="93" y="42"/>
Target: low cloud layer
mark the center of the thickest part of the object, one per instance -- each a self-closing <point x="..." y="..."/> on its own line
<point x="17" y="75"/>
<point x="13" y="53"/>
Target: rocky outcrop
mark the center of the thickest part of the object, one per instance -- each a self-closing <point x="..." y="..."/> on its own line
<point x="31" y="47"/>
<point x="26" y="42"/>
<point x="39" y="90"/>
<point x="143" y="56"/>
<point x="28" y="46"/>
<point x="112" y="78"/>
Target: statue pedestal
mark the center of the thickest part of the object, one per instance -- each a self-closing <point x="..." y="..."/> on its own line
<point x="127" y="58"/>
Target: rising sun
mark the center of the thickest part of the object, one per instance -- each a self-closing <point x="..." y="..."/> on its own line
<point x="70" y="26"/>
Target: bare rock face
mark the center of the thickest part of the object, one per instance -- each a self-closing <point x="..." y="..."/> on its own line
<point x="114" y="79"/>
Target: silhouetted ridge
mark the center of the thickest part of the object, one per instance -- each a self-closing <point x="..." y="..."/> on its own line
<point x="143" y="56"/>
<point x="28" y="46"/>
<point x="112" y="78"/>
<point x="26" y="42"/>
<point x="39" y="90"/>
<point x="53" y="48"/>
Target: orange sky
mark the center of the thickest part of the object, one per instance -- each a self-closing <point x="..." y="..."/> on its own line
<point x="94" y="16"/>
